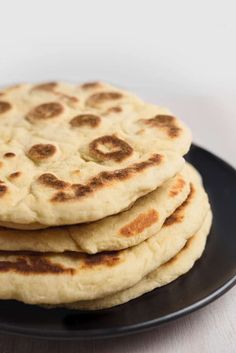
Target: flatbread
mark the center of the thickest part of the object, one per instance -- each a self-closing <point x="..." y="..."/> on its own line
<point x="144" y="219"/>
<point x="67" y="152"/>
<point x="166" y="273"/>
<point x="63" y="278"/>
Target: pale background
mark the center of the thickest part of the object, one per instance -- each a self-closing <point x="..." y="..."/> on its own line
<point x="176" y="53"/>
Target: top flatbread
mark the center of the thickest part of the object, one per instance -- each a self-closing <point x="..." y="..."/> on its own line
<point x="71" y="154"/>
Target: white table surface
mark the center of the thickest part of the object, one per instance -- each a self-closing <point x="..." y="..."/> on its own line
<point x="180" y="54"/>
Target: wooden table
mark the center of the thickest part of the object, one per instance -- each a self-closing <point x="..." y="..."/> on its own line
<point x="209" y="330"/>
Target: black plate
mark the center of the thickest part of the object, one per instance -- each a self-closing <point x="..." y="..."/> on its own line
<point x="212" y="276"/>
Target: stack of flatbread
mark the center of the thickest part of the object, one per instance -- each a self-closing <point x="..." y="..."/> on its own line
<point x="97" y="204"/>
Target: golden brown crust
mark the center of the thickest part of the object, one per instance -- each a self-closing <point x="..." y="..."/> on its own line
<point x="91" y="85"/>
<point x="50" y="180"/>
<point x="116" y="109"/>
<point x="41" y="152"/>
<point x="47" y="86"/>
<point x="15" y="175"/>
<point x="102" y="180"/>
<point x="45" y="111"/>
<point x="118" y="149"/>
<point x="99" y="98"/>
<point x="165" y="122"/>
<point x="110" y="258"/>
<point x="176" y="189"/>
<point x="36" y="264"/>
<point x="4" y="107"/>
<point x="89" y="120"/>
<point x="9" y="155"/>
<point x="3" y="190"/>
<point x="139" y="224"/>
<point x="178" y="215"/>
<point x="50" y="87"/>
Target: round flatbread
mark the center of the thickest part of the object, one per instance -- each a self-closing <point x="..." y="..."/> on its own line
<point x="72" y="154"/>
<point x="116" y="232"/>
<point x="62" y="278"/>
<point x="166" y="273"/>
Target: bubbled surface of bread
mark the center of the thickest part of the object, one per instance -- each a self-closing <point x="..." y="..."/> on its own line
<point x="77" y="153"/>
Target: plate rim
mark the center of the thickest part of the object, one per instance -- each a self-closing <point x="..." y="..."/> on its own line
<point x="121" y="331"/>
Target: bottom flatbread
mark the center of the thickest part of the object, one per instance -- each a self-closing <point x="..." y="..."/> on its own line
<point x="168" y="272"/>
